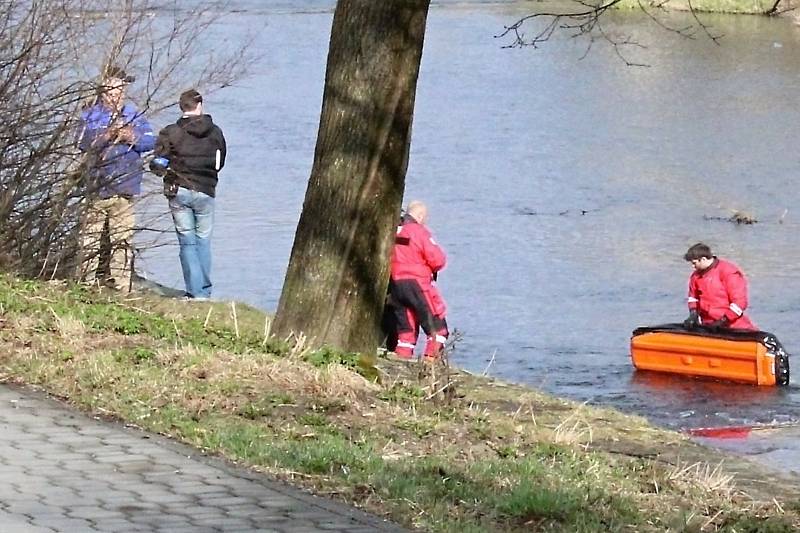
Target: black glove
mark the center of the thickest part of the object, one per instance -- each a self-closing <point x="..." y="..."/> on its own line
<point x="692" y="321"/>
<point x="719" y="324"/>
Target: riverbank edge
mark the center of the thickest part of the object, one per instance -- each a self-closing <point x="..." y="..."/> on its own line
<point x="732" y="7"/>
<point x="112" y="356"/>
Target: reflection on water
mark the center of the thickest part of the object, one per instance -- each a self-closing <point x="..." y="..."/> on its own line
<point x="564" y="190"/>
<point x="773" y="447"/>
<point x="710" y="403"/>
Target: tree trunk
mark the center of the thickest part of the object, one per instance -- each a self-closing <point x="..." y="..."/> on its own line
<point x="338" y="271"/>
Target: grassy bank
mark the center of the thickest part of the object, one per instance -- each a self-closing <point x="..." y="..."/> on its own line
<point x="745" y="7"/>
<point x="427" y="446"/>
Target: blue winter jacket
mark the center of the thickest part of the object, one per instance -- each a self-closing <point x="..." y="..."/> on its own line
<point x="117" y="167"/>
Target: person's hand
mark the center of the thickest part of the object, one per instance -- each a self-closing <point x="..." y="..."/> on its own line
<point x="158" y="166"/>
<point x="692" y="321"/>
<point x="719" y="324"/>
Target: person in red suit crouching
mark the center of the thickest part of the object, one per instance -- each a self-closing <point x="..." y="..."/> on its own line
<point x="717" y="292"/>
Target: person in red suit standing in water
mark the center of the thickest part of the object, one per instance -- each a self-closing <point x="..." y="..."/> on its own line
<point x="416" y="302"/>
<point x="717" y="292"/>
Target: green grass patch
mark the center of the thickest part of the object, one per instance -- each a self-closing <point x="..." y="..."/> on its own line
<point x="402" y="393"/>
<point x="264" y="405"/>
<point x="134" y="355"/>
<point x="326" y="356"/>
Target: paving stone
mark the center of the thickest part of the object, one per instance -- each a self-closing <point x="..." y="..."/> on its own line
<point x="18" y="527"/>
<point x="72" y="480"/>
<point x="278" y="501"/>
<point x="335" y="525"/>
<point x="66" y="502"/>
<point x="224" y="502"/>
<point x="118" y="498"/>
<point x="225" y="522"/>
<point x="133" y="508"/>
<point x="49" y="513"/>
<point x="113" y="526"/>
<point x="254" y="511"/>
<point x="194" y="529"/>
<point x="164" y="521"/>
<point x="157" y="520"/>
<point x="92" y="512"/>
<point x="115" y="500"/>
<point x="66" y="524"/>
<point x="271" y="519"/>
<point x="302" y="529"/>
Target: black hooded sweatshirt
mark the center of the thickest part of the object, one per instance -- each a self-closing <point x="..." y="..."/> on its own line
<point x="196" y="151"/>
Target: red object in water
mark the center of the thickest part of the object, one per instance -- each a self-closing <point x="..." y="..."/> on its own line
<point x="730" y="432"/>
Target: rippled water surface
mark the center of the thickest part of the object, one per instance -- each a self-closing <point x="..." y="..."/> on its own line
<point x="565" y="190"/>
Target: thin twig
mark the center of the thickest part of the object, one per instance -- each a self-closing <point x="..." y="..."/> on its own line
<point x="55" y="269"/>
<point x="486" y="370"/>
<point x="44" y="264"/>
<point x="235" y="320"/>
<point x="710" y="520"/>
<point x="439" y="391"/>
<point x="179" y="341"/>
<point x="139" y="309"/>
<point x="267" y="329"/>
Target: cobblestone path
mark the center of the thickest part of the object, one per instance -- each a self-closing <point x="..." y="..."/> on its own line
<point x="63" y="471"/>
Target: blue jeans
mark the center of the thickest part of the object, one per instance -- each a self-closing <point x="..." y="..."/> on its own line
<point x="193" y="214"/>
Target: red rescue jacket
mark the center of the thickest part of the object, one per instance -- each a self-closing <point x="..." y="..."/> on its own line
<point x="720" y="290"/>
<point x="416" y="255"/>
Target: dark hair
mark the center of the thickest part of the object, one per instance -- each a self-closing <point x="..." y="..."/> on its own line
<point x="698" y="251"/>
<point x="190" y="99"/>
<point x="115" y="71"/>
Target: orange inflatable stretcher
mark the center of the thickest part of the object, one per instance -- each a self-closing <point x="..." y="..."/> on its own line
<point x="755" y="357"/>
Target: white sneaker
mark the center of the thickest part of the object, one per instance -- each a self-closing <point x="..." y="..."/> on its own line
<point x="187" y="298"/>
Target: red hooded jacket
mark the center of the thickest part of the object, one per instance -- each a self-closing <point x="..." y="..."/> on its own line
<point x="416" y="255"/>
<point x="720" y="290"/>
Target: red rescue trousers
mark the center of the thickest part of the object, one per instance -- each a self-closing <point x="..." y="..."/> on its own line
<point x="418" y="305"/>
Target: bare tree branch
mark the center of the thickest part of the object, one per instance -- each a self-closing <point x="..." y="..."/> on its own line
<point x="584" y="21"/>
<point x="773" y="9"/>
<point x="52" y="54"/>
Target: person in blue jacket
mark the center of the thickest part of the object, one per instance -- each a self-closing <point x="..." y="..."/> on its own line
<point x="114" y="136"/>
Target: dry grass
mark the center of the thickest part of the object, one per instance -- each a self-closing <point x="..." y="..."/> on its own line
<point x="334" y="381"/>
<point x="704" y="478"/>
<point x="573" y="430"/>
<point x="70" y="330"/>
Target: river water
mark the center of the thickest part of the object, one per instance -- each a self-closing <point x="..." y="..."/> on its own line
<point x="564" y="188"/>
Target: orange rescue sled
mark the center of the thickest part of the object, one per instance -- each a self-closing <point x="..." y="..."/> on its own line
<point x="755" y="357"/>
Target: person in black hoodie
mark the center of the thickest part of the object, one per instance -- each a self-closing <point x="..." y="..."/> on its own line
<point x="188" y="155"/>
